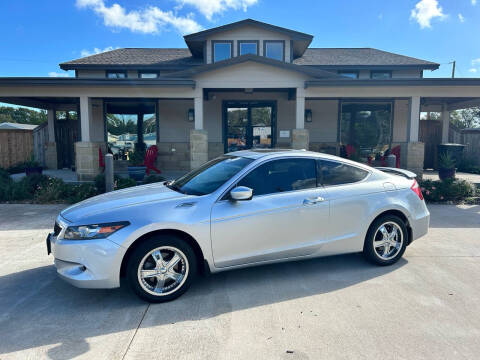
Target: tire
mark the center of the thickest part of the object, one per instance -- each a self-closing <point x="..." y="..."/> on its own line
<point x="392" y="249"/>
<point x="161" y="268"/>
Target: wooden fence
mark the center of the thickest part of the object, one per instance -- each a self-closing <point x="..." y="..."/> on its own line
<point x="470" y="138"/>
<point x="40" y="139"/>
<point x="16" y="146"/>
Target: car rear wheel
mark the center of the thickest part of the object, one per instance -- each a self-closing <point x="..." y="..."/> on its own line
<point x="161" y="268"/>
<point x="386" y="240"/>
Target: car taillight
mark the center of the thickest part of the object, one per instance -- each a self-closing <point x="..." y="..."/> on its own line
<point x="416" y="189"/>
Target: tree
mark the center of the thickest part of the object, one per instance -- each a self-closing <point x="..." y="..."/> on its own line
<point x="22" y="115"/>
<point x="466" y="118"/>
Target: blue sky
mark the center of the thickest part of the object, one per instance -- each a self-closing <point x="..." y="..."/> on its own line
<point x="38" y="35"/>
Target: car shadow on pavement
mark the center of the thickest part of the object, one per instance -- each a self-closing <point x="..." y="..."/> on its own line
<point x="39" y="310"/>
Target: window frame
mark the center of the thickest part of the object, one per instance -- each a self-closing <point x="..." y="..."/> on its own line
<point x="240" y="42"/>
<point x="320" y="177"/>
<point x="107" y="72"/>
<point x="356" y="72"/>
<point x="381" y="72"/>
<point x="225" y="194"/>
<point x="266" y="42"/>
<point x="214" y="42"/>
<point x="141" y="72"/>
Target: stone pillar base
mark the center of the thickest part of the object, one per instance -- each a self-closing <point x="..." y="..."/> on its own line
<point x="86" y="159"/>
<point x="300" y="139"/>
<point x="415" y="157"/>
<point x="51" y="160"/>
<point x="198" y="148"/>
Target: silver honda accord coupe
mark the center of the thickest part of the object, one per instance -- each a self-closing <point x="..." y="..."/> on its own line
<point x="241" y="209"/>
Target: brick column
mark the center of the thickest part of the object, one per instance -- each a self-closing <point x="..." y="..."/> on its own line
<point x="87" y="160"/>
<point x="415" y="157"/>
<point x="300" y="139"/>
<point x="198" y="148"/>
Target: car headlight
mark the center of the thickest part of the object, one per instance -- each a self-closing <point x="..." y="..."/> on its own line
<point x="94" y="231"/>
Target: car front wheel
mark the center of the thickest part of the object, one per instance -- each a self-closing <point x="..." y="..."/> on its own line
<point x="386" y="240"/>
<point x="161" y="268"/>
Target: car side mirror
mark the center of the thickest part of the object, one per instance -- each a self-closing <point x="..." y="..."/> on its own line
<point x="240" y="193"/>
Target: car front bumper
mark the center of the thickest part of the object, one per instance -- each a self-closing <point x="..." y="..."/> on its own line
<point x="87" y="263"/>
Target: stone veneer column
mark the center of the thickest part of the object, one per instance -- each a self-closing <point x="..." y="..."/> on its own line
<point x="198" y="148"/>
<point x="415" y="157"/>
<point x="300" y="139"/>
<point x="87" y="160"/>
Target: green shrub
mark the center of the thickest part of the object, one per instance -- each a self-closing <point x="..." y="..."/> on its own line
<point x="118" y="183"/>
<point x="153" y="179"/>
<point x="447" y="190"/>
<point x="80" y="192"/>
<point x="123" y="183"/>
<point x="469" y="166"/>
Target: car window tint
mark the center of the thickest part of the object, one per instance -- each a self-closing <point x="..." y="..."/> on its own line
<point x="337" y="173"/>
<point x="281" y="175"/>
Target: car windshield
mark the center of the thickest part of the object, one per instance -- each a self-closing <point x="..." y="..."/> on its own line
<point x="210" y="176"/>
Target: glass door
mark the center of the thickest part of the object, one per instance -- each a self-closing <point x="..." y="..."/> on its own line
<point x="248" y="125"/>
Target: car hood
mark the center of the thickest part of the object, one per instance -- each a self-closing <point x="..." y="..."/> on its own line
<point x="121" y="198"/>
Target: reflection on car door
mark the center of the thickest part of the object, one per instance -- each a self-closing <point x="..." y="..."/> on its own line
<point x="286" y="217"/>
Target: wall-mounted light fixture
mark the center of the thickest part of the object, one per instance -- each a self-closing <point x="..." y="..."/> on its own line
<point x="191" y="115"/>
<point x="308" y="115"/>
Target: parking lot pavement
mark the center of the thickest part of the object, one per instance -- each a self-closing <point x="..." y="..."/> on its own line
<point x="427" y="306"/>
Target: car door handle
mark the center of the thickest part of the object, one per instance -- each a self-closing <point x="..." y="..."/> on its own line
<point x="313" y="200"/>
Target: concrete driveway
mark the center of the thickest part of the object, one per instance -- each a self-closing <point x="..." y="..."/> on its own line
<point x="425" y="307"/>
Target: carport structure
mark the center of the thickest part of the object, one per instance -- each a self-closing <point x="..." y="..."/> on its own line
<point x="188" y="109"/>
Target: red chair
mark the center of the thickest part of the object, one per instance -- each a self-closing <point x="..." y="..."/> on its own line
<point x="101" y="159"/>
<point x="396" y="151"/>
<point x="150" y="158"/>
<point x="350" y="150"/>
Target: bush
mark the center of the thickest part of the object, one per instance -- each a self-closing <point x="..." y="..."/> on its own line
<point x="469" y="166"/>
<point x="447" y="190"/>
<point x="118" y="183"/>
<point x="153" y="179"/>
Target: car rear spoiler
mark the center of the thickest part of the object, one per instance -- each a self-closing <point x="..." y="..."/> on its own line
<point x="400" y="172"/>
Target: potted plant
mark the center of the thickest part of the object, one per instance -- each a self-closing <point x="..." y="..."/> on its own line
<point x="136" y="158"/>
<point x="446" y="166"/>
<point x="32" y="167"/>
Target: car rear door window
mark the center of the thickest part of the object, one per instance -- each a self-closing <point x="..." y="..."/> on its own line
<point x="281" y="175"/>
<point x="337" y="173"/>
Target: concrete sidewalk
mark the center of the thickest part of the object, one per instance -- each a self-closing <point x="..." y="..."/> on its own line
<point x="425" y="307"/>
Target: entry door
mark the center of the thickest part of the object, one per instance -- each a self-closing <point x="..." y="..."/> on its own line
<point x="249" y="125"/>
<point x="288" y="216"/>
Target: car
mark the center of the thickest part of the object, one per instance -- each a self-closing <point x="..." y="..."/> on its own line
<point x="241" y="209"/>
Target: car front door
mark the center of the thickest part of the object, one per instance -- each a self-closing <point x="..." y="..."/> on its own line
<point x="286" y="217"/>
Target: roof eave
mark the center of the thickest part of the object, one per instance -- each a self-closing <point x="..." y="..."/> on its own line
<point x="49" y="81"/>
<point x="394" y="82"/>
<point x="382" y="67"/>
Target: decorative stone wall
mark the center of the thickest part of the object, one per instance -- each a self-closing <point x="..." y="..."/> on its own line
<point x="415" y="157"/>
<point x="51" y="160"/>
<point x="86" y="159"/>
<point x="300" y="139"/>
<point x="198" y="148"/>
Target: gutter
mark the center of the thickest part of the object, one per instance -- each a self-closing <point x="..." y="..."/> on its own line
<point x="394" y="82"/>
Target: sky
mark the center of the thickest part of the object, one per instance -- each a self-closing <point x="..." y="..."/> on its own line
<point x="38" y="35"/>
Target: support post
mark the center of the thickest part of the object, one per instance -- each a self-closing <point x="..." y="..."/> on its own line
<point x="198" y="111"/>
<point x="300" y="109"/>
<point x="51" y="159"/>
<point x="85" y="116"/>
<point x="108" y="172"/>
<point x="445" y="123"/>
<point x="415" y="149"/>
<point x="414" y="118"/>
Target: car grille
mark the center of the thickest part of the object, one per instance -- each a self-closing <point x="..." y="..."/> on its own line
<point x="56" y="229"/>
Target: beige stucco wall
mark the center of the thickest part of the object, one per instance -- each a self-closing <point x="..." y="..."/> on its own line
<point x="97" y="127"/>
<point x="248" y="33"/>
<point x="173" y="123"/>
<point x="323" y="128"/>
<point x="400" y="121"/>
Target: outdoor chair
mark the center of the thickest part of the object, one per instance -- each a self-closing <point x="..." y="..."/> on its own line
<point x="150" y="158"/>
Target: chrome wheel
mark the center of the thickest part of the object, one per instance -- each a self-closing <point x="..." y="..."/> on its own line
<point x="388" y="240"/>
<point x="163" y="271"/>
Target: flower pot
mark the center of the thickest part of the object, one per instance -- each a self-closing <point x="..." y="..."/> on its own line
<point x="444" y="174"/>
<point x="33" y="170"/>
<point x="137" y="173"/>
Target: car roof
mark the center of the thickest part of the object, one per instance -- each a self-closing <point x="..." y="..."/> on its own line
<point x="274" y="153"/>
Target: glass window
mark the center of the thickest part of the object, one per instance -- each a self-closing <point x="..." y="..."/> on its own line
<point x="210" y="176"/>
<point x="274" y="50"/>
<point x="222" y="51"/>
<point x="381" y="75"/>
<point x="122" y="134"/>
<point x="336" y="173"/>
<point x="248" y="48"/>
<point x="148" y="75"/>
<point x="350" y="74"/>
<point x="116" y="74"/>
<point x="281" y="175"/>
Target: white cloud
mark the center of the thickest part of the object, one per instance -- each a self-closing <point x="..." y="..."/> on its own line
<point x="425" y="11"/>
<point x="147" y="21"/>
<point x="95" y="51"/>
<point x="58" y="74"/>
<point x="476" y="62"/>
<point x="208" y="8"/>
<point x="472" y="70"/>
<point x="461" y="18"/>
<point x="474" y="2"/>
